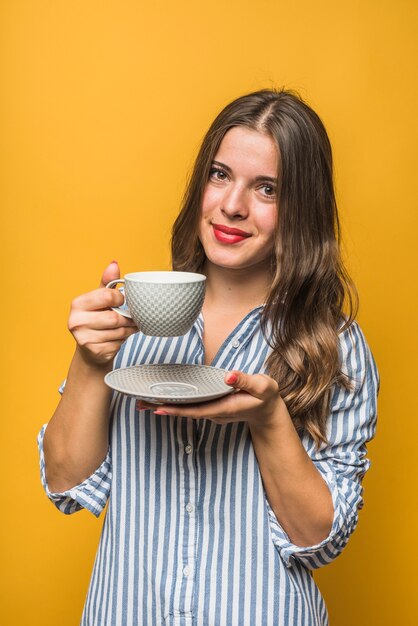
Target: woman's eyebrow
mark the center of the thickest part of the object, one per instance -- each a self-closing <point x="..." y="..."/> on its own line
<point x="270" y="179"/>
<point x="225" y="167"/>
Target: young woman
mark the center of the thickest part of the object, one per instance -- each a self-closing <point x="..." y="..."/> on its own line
<point x="219" y="511"/>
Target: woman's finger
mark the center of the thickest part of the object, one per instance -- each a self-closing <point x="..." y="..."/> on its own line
<point x="99" y="320"/>
<point x="257" y="385"/>
<point x="227" y="406"/>
<point x="87" y="337"/>
<point x="110" y="273"/>
<point x="98" y="300"/>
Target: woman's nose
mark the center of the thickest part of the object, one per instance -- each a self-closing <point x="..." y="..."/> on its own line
<point x="235" y="203"/>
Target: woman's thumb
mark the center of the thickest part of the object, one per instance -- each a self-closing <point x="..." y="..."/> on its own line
<point x="111" y="273"/>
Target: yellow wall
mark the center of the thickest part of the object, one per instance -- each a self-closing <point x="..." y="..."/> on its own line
<point x="103" y="105"/>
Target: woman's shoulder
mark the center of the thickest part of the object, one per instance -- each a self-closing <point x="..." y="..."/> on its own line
<point x="357" y="360"/>
<point x="352" y="338"/>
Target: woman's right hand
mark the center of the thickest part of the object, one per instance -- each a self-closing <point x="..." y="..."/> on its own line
<point x="99" y="331"/>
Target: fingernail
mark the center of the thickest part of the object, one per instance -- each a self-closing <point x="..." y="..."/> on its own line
<point x="112" y="262"/>
<point x="232" y="379"/>
<point x="159" y="412"/>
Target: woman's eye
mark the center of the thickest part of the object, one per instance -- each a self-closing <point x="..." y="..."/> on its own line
<point x="268" y="190"/>
<point x="217" y="174"/>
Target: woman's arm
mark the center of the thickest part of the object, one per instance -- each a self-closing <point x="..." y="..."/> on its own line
<point x="314" y="494"/>
<point x="296" y="491"/>
<point x="76" y="439"/>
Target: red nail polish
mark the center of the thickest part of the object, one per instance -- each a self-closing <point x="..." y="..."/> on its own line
<point x="159" y="412"/>
<point x="232" y="379"/>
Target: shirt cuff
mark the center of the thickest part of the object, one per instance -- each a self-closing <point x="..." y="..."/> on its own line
<point x="320" y="554"/>
<point x="91" y="494"/>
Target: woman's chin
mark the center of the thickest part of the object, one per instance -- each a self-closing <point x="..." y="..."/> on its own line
<point x="232" y="263"/>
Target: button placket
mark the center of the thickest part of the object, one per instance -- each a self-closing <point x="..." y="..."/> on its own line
<point x="187" y="547"/>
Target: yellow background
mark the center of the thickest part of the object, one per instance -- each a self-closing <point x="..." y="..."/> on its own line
<point x="103" y="105"/>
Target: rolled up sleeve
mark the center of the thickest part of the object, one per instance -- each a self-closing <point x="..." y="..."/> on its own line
<point x="92" y="494"/>
<point x="342" y="462"/>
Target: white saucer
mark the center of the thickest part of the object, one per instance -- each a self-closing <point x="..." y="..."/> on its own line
<point x="170" y="383"/>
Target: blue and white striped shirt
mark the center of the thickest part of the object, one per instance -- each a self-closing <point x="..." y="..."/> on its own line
<point x="189" y="538"/>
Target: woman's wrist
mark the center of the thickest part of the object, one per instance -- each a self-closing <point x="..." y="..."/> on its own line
<point x="275" y="419"/>
<point x="91" y="366"/>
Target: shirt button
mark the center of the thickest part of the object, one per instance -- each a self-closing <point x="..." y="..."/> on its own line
<point x="235" y="343"/>
<point x="189" y="508"/>
<point x="188" y="449"/>
<point x="186" y="571"/>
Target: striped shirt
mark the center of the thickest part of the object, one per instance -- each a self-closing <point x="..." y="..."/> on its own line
<point x="189" y="538"/>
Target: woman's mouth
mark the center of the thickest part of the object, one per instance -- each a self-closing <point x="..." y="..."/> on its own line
<point x="224" y="234"/>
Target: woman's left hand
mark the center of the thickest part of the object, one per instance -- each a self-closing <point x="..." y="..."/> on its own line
<point x="256" y="400"/>
<point x="296" y="491"/>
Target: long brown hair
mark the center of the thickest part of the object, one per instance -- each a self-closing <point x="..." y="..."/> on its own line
<point x="311" y="299"/>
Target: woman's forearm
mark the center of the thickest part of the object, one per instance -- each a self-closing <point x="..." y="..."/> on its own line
<point x="297" y="493"/>
<point x="77" y="437"/>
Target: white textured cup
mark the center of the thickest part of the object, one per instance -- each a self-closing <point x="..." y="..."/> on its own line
<point x="162" y="304"/>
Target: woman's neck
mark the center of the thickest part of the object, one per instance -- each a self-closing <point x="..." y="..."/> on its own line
<point x="239" y="290"/>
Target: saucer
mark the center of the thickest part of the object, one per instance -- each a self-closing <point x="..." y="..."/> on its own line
<point x="170" y="383"/>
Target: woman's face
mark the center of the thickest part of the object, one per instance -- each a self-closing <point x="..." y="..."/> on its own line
<point x="239" y="207"/>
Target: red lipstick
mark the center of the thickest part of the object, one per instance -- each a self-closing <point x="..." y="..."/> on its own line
<point x="224" y="234"/>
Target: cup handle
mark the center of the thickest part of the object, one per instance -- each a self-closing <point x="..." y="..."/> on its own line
<point x="111" y="285"/>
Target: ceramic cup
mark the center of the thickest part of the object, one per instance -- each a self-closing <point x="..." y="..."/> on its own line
<point x="162" y="304"/>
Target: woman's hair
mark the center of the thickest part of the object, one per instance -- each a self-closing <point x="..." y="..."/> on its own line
<point x="311" y="298"/>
